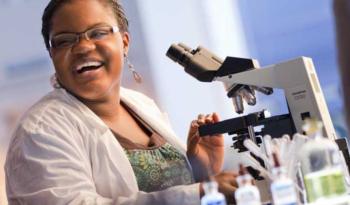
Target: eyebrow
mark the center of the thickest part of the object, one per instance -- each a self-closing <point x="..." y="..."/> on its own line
<point x="90" y="27"/>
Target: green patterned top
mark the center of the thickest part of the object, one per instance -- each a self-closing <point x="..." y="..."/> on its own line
<point x="159" y="168"/>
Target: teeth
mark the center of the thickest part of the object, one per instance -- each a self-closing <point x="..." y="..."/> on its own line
<point x="88" y="64"/>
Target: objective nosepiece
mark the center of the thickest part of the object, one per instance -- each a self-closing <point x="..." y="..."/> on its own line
<point x="238" y="104"/>
<point x="248" y="96"/>
<point x="264" y="90"/>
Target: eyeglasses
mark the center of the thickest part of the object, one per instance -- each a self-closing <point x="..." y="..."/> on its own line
<point x="67" y="40"/>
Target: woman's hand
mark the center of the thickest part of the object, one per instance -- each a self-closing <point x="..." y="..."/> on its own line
<point x="206" y="154"/>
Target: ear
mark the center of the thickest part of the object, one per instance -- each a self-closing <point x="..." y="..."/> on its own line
<point x="126" y="40"/>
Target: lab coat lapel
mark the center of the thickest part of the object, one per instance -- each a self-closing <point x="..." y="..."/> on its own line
<point x="149" y="112"/>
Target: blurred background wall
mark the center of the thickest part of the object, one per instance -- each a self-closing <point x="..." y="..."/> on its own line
<point x="268" y="30"/>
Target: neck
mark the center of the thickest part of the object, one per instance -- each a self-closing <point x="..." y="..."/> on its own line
<point x="107" y="108"/>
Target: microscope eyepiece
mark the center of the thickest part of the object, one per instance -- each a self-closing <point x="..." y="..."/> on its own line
<point x="200" y="63"/>
<point x="175" y="53"/>
<point x="179" y="53"/>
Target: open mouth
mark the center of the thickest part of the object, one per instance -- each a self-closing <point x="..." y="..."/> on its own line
<point x="88" y="66"/>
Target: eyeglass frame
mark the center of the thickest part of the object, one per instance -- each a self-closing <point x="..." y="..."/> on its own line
<point x="83" y="34"/>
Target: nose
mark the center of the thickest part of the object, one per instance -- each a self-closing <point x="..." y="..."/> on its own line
<point x="83" y="46"/>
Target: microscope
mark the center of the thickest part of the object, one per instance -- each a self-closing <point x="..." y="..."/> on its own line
<point x="242" y="77"/>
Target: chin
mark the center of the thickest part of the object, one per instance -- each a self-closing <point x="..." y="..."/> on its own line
<point x="95" y="95"/>
<point x="93" y="91"/>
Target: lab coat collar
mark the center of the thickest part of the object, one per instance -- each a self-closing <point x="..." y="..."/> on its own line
<point x="149" y="112"/>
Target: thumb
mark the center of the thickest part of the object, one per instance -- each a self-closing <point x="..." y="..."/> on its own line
<point x="192" y="144"/>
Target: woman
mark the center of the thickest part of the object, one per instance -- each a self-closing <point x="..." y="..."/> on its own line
<point x="91" y="141"/>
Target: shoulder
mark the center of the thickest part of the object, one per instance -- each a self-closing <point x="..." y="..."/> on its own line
<point x="49" y="126"/>
<point x="55" y="117"/>
<point x="53" y="107"/>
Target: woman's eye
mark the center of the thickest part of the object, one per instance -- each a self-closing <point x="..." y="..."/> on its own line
<point x="98" y="34"/>
<point x="62" y="42"/>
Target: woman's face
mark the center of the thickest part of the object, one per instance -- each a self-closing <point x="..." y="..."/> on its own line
<point x="90" y="69"/>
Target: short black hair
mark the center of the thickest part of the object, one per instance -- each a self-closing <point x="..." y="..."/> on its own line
<point x="54" y="5"/>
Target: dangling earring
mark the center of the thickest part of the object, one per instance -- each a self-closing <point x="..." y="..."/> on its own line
<point x="54" y="82"/>
<point x="136" y="75"/>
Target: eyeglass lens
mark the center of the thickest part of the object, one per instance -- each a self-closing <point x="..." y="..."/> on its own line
<point x="69" y="39"/>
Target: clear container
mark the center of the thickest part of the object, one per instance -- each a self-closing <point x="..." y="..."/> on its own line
<point x="282" y="188"/>
<point x="212" y="196"/>
<point x="321" y="165"/>
<point x="247" y="193"/>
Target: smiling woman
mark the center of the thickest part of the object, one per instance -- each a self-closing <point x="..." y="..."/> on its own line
<point x="93" y="84"/>
<point x="90" y="141"/>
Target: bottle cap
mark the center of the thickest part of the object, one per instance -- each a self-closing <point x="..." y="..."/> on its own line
<point x="210" y="186"/>
<point x="311" y="126"/>
<point x="244" y="176"/>
<point x="242" y="170"/>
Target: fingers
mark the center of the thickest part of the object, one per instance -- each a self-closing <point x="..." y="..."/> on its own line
<point x="230" y="177"/>
<point x="227" y="176"/>
<point x="204" y="120"/>
<point x="201" y="119"/>
<point x="207" y="119"/>
<point x="216" y="117"/>
<point x="227" y="189"/>
<point x="193" y="135"/>
<point x="227" y="182"/>
<point x="231" y="173"/>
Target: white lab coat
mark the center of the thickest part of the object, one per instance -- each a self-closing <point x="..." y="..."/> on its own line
<point x="62" y="153"/>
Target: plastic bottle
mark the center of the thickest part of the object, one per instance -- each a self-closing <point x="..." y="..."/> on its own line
<point x="212" y="196"/>
<point x="246" y="194"/>
<point x="321" y="165"/>
<point x="282" y="187"/>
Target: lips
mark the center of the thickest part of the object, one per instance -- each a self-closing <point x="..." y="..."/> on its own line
<point x="87" y="65"/>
